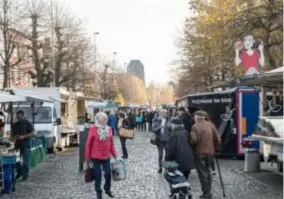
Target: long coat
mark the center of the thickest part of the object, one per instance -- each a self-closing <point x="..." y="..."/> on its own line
<point x="179" y="150"/>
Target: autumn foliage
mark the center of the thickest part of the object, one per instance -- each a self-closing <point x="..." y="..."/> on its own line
<point x="207" y="45"/>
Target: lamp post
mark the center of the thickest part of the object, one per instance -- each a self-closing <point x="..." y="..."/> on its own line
<point x="113" y="61"/>
<point x="95" y="48"/>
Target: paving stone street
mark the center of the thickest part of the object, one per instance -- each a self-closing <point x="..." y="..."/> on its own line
<point x="59" y="178"/>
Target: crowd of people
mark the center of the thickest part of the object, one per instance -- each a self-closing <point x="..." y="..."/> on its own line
<point x="190" y="141"/>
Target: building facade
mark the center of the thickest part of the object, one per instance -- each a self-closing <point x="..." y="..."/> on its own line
<point x="136" y="68"/>
<point x="21" y="61"/>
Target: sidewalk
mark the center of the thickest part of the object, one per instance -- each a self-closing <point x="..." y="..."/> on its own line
<point x="59" y="178"/>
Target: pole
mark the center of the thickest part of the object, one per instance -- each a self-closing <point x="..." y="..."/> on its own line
<point x="220" y="176"/>
<point x="52" y="43"/>
<point x="113" y="64"/>
<point x="95" y="49"/>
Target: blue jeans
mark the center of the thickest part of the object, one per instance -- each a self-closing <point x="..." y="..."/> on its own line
<point x="23" y="168"/>
<point x="98" y="165"/>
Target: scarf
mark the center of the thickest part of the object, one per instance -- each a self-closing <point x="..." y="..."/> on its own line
<point x="102" y="131"/>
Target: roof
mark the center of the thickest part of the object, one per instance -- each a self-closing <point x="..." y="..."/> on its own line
<point x="268" y="79"/>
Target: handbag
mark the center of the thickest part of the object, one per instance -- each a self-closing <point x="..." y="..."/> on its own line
<point x="126" y="133"/>
<point x="89" y="174"/>
<point x="153" y="139"/>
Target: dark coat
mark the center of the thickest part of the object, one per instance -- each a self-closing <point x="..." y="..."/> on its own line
<point x="188" y="122"/>
<point x="179" y="150"/>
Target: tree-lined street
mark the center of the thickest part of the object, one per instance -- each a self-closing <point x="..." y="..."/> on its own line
<point x="59" y="178"/>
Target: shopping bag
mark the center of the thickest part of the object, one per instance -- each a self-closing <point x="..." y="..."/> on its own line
<point x="89" y="174"/>
<point x="126" y="133"/>
<point x="118" y="169"/>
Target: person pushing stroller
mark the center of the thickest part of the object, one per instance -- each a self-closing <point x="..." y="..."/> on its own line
<point x="179" y="151"/>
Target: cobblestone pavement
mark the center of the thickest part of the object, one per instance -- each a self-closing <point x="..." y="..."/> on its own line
<point x="60" y="179"/>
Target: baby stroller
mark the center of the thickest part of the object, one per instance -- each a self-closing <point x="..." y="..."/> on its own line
<point x="179" y="186"/>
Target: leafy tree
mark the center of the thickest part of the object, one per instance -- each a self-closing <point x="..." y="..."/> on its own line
<point x="207" y="47"/>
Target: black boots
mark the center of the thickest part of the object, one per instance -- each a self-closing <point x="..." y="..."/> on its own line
<point x="99" y="195"/>
<point x="109" y="193"/>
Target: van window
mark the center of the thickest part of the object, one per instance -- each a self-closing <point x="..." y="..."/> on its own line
<point x="43" y="114"/>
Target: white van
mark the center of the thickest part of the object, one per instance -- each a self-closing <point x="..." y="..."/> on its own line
<point x="45" y="120"/>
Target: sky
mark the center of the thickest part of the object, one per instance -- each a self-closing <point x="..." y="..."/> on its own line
<point x="136" y="29"/>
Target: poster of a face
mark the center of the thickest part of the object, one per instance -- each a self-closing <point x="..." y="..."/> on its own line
<point x="251" y="57"/>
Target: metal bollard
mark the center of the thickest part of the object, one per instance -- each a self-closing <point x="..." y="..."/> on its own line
<point x="252" y="161"/>
<point x="83" y="139"/>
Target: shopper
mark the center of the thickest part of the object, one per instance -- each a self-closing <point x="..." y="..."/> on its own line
<point x="178" y="149"/>
<point x="161" y="128"/>
<point x="123" y="124"/>
<point x="112" y="121"/>
<point x="99" y="149"/>
<point x="207" y="142"/>
<point x="186" y="119"/>
<point x="149" y="118"/>
<point x="22" y="131"/>
<point x="139" y="121"/>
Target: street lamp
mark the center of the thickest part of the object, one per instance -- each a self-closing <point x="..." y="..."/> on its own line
<point x="95" y="48"/>
<point x="114" y="54"/>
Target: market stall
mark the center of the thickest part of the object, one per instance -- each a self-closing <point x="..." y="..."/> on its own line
<point x="8" y="155"/>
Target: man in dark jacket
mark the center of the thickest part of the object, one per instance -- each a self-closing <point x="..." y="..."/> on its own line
<point x="186" y="119"/>
<point x="131" y="119"/>
<point x="178" y="149"/>
<point x="149" y="118"/>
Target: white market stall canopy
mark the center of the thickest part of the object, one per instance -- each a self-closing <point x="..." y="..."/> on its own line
<point x="31" y="96"/>
<point x="7" y="98"/>
<point x="93" y="104"/>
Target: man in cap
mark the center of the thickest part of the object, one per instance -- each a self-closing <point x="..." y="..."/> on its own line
<point x="207" y="141"/>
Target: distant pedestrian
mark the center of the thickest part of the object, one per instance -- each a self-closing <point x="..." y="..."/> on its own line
<point x="161" y="128"/>
<point x="149" y="119"/>
<point x="207" y="141"/>
<point x="112" y="121"/>
<point x="123" y="123"/>
<point x="131" y="118"/>
<point x="22" y="131"/>
<point x="99" y="149"/>
<point x="139" y="122"/>
<point x="178" y="149"/>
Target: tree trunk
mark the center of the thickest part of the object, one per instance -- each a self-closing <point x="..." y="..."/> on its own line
<point x="36" y="59"/>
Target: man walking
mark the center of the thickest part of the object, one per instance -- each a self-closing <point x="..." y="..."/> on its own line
<point x="22" y="131"/>
<point x="207" y="141"/>
<point x="149" y="118"/>
<point x="161" y="127"/>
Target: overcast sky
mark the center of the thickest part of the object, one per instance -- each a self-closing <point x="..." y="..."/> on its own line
<point x="136" y="29"/>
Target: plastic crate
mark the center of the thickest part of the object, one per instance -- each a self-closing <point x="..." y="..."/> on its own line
<point x="9" y="159"/>
<point x="9" y="178"/>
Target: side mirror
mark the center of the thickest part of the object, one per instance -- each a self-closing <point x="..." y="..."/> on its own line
<point x="58" y="121"/>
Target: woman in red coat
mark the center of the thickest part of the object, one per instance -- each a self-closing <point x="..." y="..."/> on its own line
<point x="99" y="149"/>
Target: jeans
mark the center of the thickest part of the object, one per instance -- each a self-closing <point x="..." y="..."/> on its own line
<point x="161" y="146"/>
<point x="203" y="165"/>
<point x="98" y="165"/>
<point x="24" y="167"/>
<point x="123" y="147"/>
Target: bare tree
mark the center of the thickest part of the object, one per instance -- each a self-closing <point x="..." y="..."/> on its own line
<point x="36" y="11"/>
<point x="8" y="35"/>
